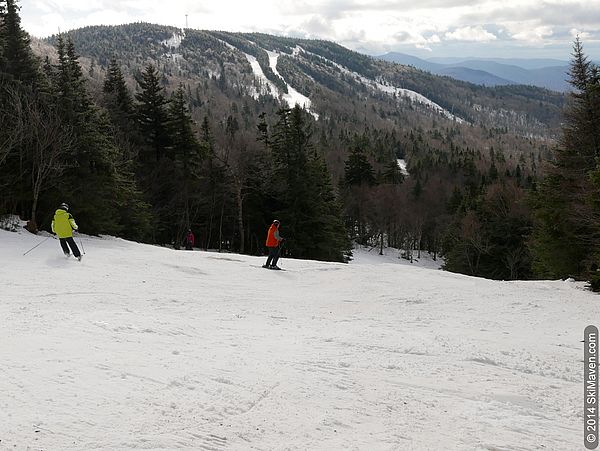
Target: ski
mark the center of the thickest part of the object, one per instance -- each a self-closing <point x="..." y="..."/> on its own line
<point x="270" y="269"/>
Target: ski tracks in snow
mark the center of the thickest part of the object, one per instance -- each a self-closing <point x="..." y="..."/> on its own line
<point x="144" y="347"/>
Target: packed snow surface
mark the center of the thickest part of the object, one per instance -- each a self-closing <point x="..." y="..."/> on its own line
<point x="402" y="165"/>
<point x="175" y="40"/>
<point x="142" y="347"/>
<point x="267" y="86"/>
<point x="292" y="97"/>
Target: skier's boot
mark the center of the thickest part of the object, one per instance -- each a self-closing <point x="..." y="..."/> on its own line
<point x="67" y="254"/>
<point x="265" y="266"/>
<point x="274" y="267"/>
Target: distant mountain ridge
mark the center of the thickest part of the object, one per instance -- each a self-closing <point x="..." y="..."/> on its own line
<point x="525" y="63"/>
<point x="475" y="76"/>
<point x="544" y="73"/>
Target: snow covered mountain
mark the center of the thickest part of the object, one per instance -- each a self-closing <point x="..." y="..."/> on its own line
<point x="145" y="347"/>
<point x="332" y="80"/>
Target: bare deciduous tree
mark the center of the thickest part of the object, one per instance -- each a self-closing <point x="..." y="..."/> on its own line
<point x="45" y="141"/>
<point x="237" y="156"/>
<point x="12" y="126"/>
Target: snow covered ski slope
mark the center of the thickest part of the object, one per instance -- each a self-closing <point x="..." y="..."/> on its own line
<point x="140" y="347"/>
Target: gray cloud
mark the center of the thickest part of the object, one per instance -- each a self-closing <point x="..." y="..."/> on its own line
<point x="517" y="26"/>
<point x="335" y="9"/>
<point x="317" y="26"/>
<point x="402" y="37"/>
<point x="583" y="13"/>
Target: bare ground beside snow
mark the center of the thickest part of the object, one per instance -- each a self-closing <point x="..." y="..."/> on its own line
<point x="140" y="347"/>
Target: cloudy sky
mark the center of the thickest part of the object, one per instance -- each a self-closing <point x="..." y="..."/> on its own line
<point x="426" y="28"/>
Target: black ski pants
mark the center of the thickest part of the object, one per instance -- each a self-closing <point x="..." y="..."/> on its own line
<point x="65" y="243"/>
<point x="273" y="256"/>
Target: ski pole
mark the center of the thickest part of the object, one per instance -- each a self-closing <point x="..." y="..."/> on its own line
<point x="39" y="244"/>
<point x="281" y="249"/>
<point x="81" y="242"/>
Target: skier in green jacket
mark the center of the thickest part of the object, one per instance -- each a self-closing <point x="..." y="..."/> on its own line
<point x="63" y="225"/>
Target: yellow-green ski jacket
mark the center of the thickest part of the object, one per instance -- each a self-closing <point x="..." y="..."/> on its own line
<point x="63" y="224"/>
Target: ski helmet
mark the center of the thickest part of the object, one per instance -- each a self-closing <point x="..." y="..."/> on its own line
<point x="64" y="206"/>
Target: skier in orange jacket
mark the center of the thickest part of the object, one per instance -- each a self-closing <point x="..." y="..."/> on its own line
<point x="274" y="239"/>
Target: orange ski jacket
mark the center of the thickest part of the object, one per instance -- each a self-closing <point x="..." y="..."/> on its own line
<point x="273" y="237"/>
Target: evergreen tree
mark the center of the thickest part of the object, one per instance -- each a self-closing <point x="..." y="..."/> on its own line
<point x="417" y="188"/>
<point x="114" y="204"/>
<point x="304" y="198"/>
<point x="118" y="100"/>
<point x="32" y="136"/>
<point x="358" y="170"/>
<point x="74" y="69"/>
<point x="216" y="186"/>
<point x="330" y="240"/>
<point x="392" y="174"/>
<point x="580" y="144"/>
<point x="157" y="166"/>
<point x="566" y="239"/>
<point x="493" y="172"/>
<point x="69" y="84"/>
<point x="185" y="145"/>
<point x="16" y="58"/>
<point x="188" y="153"/>
<point x="153" y="117"/>
<point x="357" y="184"/>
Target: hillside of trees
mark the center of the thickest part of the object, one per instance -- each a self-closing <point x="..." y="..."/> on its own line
<point x="146" y="141"/>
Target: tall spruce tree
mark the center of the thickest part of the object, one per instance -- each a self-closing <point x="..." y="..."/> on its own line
<point x="17" y="59"/>
<point x="358" y="170"/>
<point x="566" y="238"/>
<point x="327" y="222"/>
<point x="153" y="116"/>
<point x="119" y="103"/>
<point x="217" y="186"/>
<point x="30" y="162"/>
<point x="94" y="183"/>
<point x="302" y="193"/>
<point x="392" y="174"/>
<point x="359" y="177"/>
<point x="118" y="100"/>
<point x="188" y="153"/>
<point x="157" y="167"/>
